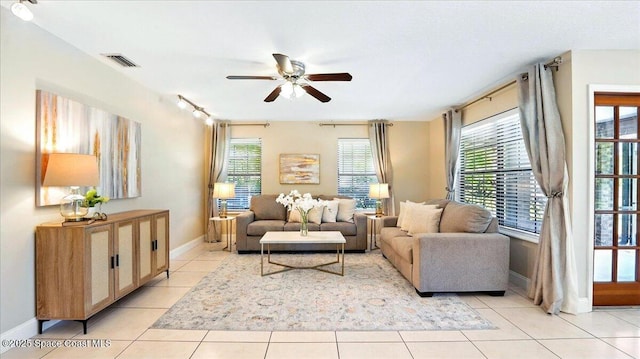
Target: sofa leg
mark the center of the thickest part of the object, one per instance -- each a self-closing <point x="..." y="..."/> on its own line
<point x="424" y="294"/>
<point x="496" y="293"/>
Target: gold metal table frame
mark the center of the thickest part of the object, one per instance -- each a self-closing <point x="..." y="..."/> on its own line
<point x="287" y="267"/>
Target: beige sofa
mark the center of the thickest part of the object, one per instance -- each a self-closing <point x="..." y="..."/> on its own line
<point x="265" y="214"/>
<point x="466" y="254"/>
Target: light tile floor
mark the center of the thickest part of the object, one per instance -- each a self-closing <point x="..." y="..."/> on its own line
<point x="524" y="330"/>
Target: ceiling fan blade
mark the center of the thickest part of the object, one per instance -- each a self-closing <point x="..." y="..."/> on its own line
<point x="233" y="77"/>
<point x="315" y="93"/>
<point x="342" y="76"/>
<point x="274" y="94"/>
<point x="284" y="63"/>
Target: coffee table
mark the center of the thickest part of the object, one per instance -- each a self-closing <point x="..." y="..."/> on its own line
<point x="294" y="237"/>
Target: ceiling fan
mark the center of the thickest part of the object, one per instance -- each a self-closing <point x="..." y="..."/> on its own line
<point x="292" y="72"/>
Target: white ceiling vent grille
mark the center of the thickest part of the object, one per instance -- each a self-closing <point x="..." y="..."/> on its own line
<point x="120" y="59"/>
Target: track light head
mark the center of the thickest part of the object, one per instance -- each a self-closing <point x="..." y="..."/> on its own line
<point x="181" y="102"/>
<point x="22" y="11"/>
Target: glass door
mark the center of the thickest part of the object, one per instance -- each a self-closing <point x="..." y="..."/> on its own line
<point x="616" y="252"/>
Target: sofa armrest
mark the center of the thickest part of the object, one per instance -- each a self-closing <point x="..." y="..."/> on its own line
<point x="361" y="230"/>
<point x="459" y="262"/>
<point x="389" y="221"/>
<point x="242" y="221"/>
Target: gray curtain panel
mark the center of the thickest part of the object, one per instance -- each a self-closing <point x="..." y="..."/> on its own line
<point x="220" y="139"/>
<point x="554" y="280"/>
<point x="452" y="127"/>
<point x="379" y="139"/>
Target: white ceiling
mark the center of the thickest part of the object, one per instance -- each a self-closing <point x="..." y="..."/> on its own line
<point x="410" y="60"/>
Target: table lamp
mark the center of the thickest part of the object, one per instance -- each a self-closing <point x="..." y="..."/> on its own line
<point x="379" y="191"/>
<point x="224" y="191"/>
<point x="71" y="170"/>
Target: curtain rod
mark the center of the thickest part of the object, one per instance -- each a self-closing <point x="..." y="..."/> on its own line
<point x="265" y="125"/>
<point x="556" y="62"/>
<point x="350" y="124"/>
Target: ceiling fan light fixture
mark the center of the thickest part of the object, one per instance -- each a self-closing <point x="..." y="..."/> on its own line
<point x="298" y="91"/>
<point x="287" y="90"/>
<point x="22" y="11"/>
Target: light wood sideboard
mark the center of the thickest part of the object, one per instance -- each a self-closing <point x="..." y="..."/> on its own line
<point x="81" y="268"/>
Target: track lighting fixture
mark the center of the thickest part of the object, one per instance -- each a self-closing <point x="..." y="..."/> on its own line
<point x="198" y="112"/>
<point x="21" y="10"/>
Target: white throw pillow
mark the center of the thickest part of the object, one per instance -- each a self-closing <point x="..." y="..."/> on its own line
<point x="424" y="219"/>
<point x="330" y="212"/>
<point x="346" y="210"/>
<point x="403" y="212"/>
<point x="408" y="209"/>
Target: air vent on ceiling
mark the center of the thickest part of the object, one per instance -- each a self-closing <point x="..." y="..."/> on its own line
<point x="123" y="61"/>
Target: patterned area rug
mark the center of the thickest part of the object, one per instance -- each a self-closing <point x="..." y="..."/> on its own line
<point x="372" y="295"/>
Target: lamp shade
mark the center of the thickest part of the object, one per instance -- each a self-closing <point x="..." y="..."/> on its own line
<point x="224" y="190"/>
<point x="70" y="169"/>
<point x="379" y="190"/>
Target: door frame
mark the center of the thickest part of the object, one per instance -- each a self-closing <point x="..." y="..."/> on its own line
<point x="592" y="89"/>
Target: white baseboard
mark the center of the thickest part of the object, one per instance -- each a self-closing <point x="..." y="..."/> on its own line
<point x="24" y="331"/>
<point x="29" y="328"/>
<point x="518" y="280"/>
<point x="176" y="252"/>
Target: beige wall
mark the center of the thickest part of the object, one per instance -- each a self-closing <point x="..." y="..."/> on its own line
<point x="172" y="143"/>
<point x="407" y="141"/>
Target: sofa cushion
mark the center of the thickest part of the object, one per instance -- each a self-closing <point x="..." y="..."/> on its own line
<point x="265" y="207"/>
<point x="330" y="212"/>
<point x="346" y="210"/>
<point x="346" y="228"/>
<point x="387" y="233"/>
<point x="292" y="227"/>
<point x="403" y="246"/>
<point x="314" y="216"/>
<point x="424" y="219"/>
<point x="464" y="218"/>
<point x="259" y="228"/>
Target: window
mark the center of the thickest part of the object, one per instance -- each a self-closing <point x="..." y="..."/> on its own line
<point x="245" y="170"/>
<point x="495" y="173"/>
<point x="356" y="171"/>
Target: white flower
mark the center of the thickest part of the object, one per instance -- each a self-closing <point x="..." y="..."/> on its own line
<point x="303" y="203"/>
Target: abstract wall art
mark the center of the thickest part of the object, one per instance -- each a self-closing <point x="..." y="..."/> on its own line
<point x="299" y="168"/>
<point x="64" y="125"/>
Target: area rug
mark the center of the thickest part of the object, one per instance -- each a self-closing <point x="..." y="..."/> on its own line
<point x="372" y="295"/>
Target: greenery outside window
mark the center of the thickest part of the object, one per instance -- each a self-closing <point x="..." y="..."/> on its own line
<point x="495" y="173"/>
<point x="356" y="171"/>
<point x="245" y="170"/>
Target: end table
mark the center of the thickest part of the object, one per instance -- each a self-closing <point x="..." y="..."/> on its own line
<point x="227" y="227"/>
<point x="373" y="221"/>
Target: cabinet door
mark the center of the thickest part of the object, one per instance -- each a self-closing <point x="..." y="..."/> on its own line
<point x="99" y="251"/>
<point x="124" y="251"/>
<point x="145" y="253"/>
<point x="161" y="236"/>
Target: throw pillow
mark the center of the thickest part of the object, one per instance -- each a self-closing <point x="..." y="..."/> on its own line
<point x="424" y="219"/>
<point x="330" y="212"/>
<point x="346" y="210"/>
<point x="315" y="215"/>
<point x="409" y="206"/>
<point x="294" y="216"/>
<point x="465" y="218"/>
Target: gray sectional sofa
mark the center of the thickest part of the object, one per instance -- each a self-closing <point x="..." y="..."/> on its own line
<point x="465" y="254"/>
<point x="265" y="214"/>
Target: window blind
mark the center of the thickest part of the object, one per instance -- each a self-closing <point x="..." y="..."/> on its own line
<point x="245" y="170"/>
<point x="356" y="171"/>
<point x="495" y="172"/>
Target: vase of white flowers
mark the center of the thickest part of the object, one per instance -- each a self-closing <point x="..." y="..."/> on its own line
<point x="301" y="203"/>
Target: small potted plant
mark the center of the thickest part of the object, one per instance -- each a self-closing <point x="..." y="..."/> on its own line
<point x="93" y="199"/>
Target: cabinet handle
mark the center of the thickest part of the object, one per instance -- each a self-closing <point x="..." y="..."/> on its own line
<point x="117" y="260"/>
<point x="112" y="262"/>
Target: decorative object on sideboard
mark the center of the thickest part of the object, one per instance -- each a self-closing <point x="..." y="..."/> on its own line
<point x="379" y="191"/>
<point x="93" y="201"/>
<point x="71" y="170"/>
<point x="223" y="192"/>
